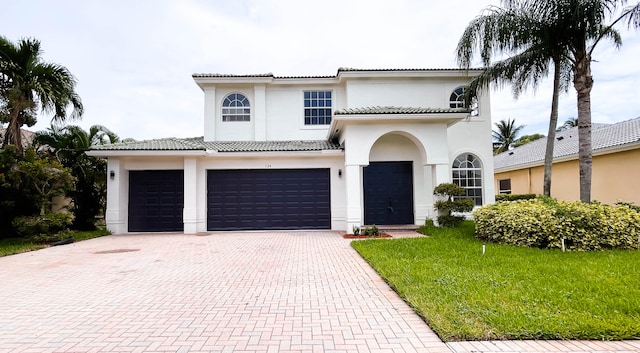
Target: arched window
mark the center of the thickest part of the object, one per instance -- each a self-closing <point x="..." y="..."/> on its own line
<point x="235" y="107"/>
<point x="467" y="173"/>
<point x="456" y="100"/>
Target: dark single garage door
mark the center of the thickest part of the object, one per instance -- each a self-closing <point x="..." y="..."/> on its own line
<point x="156" y="200"/>
<point x="268" y="199"/>
<point x="388" y="193"/>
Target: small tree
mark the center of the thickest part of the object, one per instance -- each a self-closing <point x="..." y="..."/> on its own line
<point x="451" y="202"/>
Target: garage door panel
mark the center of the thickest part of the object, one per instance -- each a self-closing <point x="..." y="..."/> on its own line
<point x="156" y="200"/>
<point x="268" y="199"/>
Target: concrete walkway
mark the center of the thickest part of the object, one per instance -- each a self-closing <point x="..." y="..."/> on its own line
<point x="223" y="292"/>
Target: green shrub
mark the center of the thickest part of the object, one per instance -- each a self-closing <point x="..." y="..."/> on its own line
<point x="372" y="231"/>
<point x="515" y="197"/>
<point x="45" y="225"/>
<point x="629" y="204"/>
<point x="450" y="204"/>
<point x="356" y="230"/>
<point x="544" y="222"/>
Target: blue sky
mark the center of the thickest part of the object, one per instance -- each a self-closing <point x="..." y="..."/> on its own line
<point x="133" y="59"/>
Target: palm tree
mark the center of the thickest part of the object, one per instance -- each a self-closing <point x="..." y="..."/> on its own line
<point x="506" y="134"/>
<point x="536" y="45"/>
<point x="568" y="124"/>
<point x="583" y="24"/>
<point x="27" y="84"/>
<point x="69" y="145"/>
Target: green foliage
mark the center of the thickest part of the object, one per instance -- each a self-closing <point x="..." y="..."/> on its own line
<point x="356" y="230"/>
<point x="510" y="292"/>
<point x="27" y="183"/>
<point x="514" y="197"/>
<point x="44" y="225"/>
<point x="372" y="231"/>
<point x="526" y="139"/>
<point x="449" y="204"/>
<point x="629" y="204"/>
<point x="69" y="144"/>
<point x="544" y="222"/>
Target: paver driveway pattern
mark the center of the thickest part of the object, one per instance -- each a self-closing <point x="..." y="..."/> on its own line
<point x="223" y="292"/>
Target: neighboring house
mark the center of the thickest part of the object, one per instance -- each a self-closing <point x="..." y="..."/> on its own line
<point x="27" y="137"/>
<point x="313" y="152"/>
<point x="616" y="152"/>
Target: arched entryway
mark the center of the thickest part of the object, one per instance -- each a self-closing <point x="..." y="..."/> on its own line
<point x="389" y="181"/>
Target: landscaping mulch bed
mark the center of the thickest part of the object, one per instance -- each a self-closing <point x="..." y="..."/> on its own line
<point x="382" y="235"/>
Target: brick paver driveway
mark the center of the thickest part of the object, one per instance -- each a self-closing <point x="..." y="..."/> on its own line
<point x="242" y="292"/>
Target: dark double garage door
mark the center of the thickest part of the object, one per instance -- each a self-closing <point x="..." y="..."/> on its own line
<point x="236" y="199"/>
<point x="268" y="199"/>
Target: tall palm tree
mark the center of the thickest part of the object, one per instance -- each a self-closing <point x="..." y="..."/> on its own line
<point x="585" y="24"/>
<point x="27" y="85"/>
<point x="536" y="44"/>
<point x="506" y="134"/>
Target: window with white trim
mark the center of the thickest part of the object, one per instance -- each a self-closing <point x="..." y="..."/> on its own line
<point x="235" y="107"/>
<point x="504" y="186"/>
<point x="456" y="99"/>
<point x="467" y="173"/>
<point x="317" y="107"/>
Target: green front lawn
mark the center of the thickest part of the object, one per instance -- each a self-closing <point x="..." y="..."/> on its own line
<point x="510" y="292"/>
<point x="12" y="246"/>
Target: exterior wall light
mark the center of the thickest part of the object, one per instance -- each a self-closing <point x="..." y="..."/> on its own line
<point x="112" y="174"/>
<point x="339" y="172"/>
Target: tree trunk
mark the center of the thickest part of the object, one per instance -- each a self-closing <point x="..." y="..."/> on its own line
<point x="13" y="134"/>
<point x="551" y="135"/>
<point x="583" y="82"/>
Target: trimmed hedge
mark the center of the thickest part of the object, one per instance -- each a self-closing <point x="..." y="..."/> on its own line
<point x="515" y="197"/>
<point x="544" y="222"/>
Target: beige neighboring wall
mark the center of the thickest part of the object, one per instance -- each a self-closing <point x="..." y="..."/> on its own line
<point x="615" y="178"/>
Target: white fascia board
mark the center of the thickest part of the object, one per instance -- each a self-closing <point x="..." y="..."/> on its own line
<point x="206" y="81"/>
<point x="448" y="73"/>
<point x="156" y="153"/>
<point x="324" y="153"/>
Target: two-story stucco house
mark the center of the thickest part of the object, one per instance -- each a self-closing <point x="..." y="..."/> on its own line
<point x="331" y="152"/>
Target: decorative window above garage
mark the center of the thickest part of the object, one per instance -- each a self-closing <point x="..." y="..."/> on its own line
<point x="235" y="107"/>
<point x="317" y="107"/>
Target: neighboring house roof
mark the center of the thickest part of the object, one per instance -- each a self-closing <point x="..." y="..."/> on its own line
<point x="27" y="137"/>
<point x="603" y="137"/>
<point x="398" y="110"/>
<point x="198" y="144"/>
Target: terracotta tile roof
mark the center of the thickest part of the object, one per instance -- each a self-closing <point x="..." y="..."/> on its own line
<point x="603" y="136"/>
<point x="198" y="144"/>
<point x="397" y="110"/>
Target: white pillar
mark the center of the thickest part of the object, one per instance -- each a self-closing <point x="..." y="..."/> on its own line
<point x="353" y="174"/>
<point x="428" y="195"/>
<point x="443" y="174"/>
<point x="116" y="181"/>
<point x="189" y="214"/>
<point x="260" y="113"/>
<point x="210" y="113"/>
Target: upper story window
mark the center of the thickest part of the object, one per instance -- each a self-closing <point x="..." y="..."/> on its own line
<point x="467" y="173"/>
<point x="456" y="100"/>
<point x="317" y="107"/>
<point x="235" y="107"/>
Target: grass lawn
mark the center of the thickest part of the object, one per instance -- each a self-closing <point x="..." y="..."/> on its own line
<point x="510" y="292"/>
<point x="12" y="246"/>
